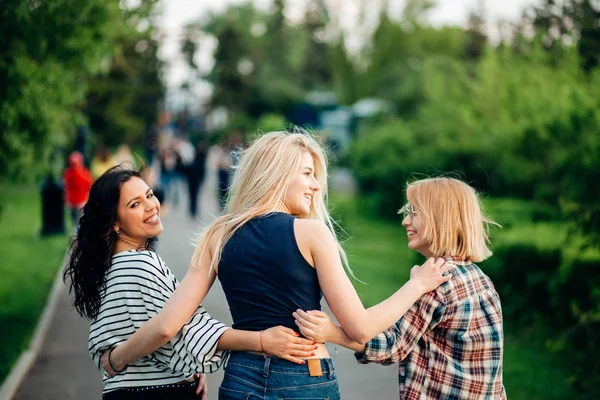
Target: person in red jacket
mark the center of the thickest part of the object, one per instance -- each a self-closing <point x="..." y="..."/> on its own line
<point x="78" y="181"/>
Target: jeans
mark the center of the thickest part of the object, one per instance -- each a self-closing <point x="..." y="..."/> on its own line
<point x="184" y="390"/>
<point x="254" y="377"/>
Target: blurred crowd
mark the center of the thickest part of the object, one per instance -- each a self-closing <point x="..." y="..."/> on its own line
<point x="173" y="165"/>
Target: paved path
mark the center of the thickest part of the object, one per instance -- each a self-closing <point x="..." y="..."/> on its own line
<point x="64" y="370"/>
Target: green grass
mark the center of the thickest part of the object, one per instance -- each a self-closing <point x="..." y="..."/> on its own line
<point x="29" y="265"/>
<point x="379" y="256"/>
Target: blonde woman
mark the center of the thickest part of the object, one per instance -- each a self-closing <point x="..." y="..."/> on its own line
<point x="449" y="344"/>
<point x="274" y="251"/>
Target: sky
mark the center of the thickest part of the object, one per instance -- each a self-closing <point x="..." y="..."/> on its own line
<point x="177" y="13"/>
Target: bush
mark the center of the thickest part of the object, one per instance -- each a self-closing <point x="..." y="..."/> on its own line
<point x="383" y="161"/>
<point x="549" y="284"/>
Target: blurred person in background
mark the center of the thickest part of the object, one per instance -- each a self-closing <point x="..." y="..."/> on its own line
<point x="184" y="157"/>
<point x="124" y="155"/>
<point x="224" y="165"/>
<point x="196" y="172"/>
<point x="119" y="282"/>
<point x="450" y="343"/>
<point x="101" y="162"/>
<point x="273" y="250"/>
<point x="78" y="181"/>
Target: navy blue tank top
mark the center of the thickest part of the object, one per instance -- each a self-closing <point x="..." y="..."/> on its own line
<point x="265" y="277"/>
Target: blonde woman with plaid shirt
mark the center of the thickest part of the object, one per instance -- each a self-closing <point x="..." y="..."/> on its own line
<point x="449" y="345"/>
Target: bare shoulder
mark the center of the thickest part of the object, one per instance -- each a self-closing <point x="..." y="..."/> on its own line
<point x="312" y="230"/>
<point x="310" y="226"/>
<point x="310" y="235"/>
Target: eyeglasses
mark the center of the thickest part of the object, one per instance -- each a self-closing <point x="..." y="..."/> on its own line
<point x="408" y="211"/>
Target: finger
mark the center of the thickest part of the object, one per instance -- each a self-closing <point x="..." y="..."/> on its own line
<point x="295" y="360"/>
<point x="309" y="334"/>
<point x="302" y="354"/>
<point x="201" y="384"/>
<point x="445" y="268"/>
<point x="303" y="342"/>
<point x="305" y="328"/>
<point x="308" y="349"/>
<point x="440" y="262"/>
<point x="317" y="313"/>
<point x="300" y="321"/>
<point x="447" y="277"/>
<point x="310" y="318"/>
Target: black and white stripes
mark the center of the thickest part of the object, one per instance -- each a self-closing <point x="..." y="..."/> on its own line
<point x="137" y="287"/>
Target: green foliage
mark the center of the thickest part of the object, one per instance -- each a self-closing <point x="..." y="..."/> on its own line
<point x="258" y="59"/>
<point x="47" y="49"/>
<point x="123" y="101"/>
<point x="382" y="161"/>
<point x="29" y="266"/>
<point x="540" y="272"/>
<point x="271" y="122"/>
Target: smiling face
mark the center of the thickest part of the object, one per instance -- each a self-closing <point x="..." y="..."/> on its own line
<point x="415" y="228"/>
<point x="138" y="213"/>
<point x="301" y="191"/>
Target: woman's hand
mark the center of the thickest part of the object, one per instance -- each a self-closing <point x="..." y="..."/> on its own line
<point x="284" y="343"/>
<point x="431" y="274"/>
<point x="316" y="325"/>
<point x="106" y="363"/>
<point x="202" y="389"/>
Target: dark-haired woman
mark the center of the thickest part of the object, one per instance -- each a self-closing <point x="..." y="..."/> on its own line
<point x="119" y="283"/>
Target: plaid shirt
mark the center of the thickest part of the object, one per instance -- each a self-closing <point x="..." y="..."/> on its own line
<point x="449" y="344"/>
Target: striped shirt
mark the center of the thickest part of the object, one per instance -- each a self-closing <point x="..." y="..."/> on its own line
<point x="449" y="344"/>
<point x="138" y="285"/>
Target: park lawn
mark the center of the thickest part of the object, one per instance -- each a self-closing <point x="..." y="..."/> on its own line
<point x="28" y="267"/>
<point x="379" y="256"/>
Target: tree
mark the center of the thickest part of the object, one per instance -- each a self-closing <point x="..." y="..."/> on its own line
<point x="123" y="102"/>
<point x="476" y="36"/>
<point x="316" y="70"/>
<point x="47" y="50"/>
<point x="564" y="22"/>
<point x="232" y="72"/>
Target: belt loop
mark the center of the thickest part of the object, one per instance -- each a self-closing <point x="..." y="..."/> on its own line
<point x="266" y="366"/>
<point x="329" y="369"/>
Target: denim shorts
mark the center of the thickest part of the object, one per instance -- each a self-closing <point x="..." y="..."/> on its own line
<point x="254" y="377"/>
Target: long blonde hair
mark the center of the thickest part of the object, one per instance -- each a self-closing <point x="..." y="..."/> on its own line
<point x="259" y="184"/>
<point x="454" y="222"/>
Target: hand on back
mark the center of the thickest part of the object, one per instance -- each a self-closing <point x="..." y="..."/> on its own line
<point x="284" y="343"/>
<point x="315" y="325"/>
<point x="431" y="274"/>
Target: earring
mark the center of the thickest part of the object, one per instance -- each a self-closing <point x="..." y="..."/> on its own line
<point x="118" y="231"/>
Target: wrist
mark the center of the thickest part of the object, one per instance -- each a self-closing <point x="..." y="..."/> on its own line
<point x="116" y="363"/>
<point x="261" y="341"/>
<point x="415" y="286"/>
<point x="339" y="336"/>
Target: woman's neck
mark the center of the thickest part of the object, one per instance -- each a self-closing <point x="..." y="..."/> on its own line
<point x="126" y="243"/>
<point x="282" y="208"/>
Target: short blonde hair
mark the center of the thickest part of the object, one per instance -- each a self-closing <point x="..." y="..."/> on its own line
<point x="266" y="170"/>
<point x="454" y="224"/>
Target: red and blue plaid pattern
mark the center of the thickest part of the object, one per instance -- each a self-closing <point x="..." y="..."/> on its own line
<point x="449" y="344"/>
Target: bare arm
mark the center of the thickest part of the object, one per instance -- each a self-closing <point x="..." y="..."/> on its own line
<point x="360" y="324"/>
<point x="318" y="326"/>
<point x="279" y="341"/>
